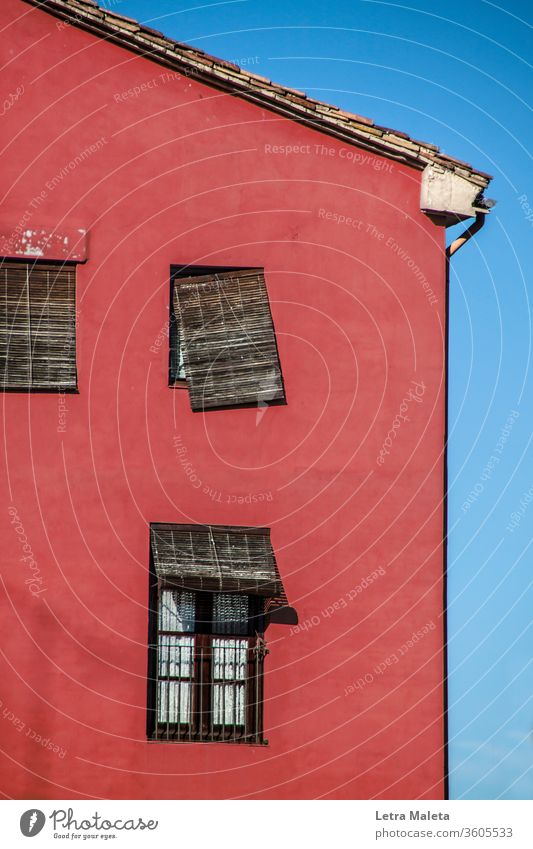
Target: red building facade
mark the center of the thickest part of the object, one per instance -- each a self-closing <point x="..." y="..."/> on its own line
<point x="127" y="167"/>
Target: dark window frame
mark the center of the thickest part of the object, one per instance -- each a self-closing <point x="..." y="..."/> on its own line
<point x="36" y="263"/>
<point x="202" y="728"/>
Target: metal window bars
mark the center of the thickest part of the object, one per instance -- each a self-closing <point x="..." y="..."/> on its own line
<point x="209" y="673"/>
<point x="209" y="689"/>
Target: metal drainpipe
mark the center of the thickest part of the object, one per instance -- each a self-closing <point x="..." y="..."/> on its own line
<point x="464" y="237"/>
<point x="450" y="251"/>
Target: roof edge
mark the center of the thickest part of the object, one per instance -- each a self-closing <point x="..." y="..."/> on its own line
<point x="228" y="77"/>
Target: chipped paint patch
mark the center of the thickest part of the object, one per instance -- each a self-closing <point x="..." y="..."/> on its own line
<point x="41" y="243"/>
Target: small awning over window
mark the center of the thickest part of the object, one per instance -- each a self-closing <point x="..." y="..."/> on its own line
<point x="228" y="341"/>
<point x="219" y="558"/>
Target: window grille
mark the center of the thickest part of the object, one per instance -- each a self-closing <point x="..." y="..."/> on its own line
<point x="209" y="688"/>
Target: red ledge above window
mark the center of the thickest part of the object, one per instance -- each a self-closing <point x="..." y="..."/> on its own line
<point x="66" y="245"/>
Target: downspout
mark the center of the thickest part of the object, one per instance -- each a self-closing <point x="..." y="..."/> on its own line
<point x="464" y="237"/>
<point x="456" y="245"/>
<point x="448" y="197"/>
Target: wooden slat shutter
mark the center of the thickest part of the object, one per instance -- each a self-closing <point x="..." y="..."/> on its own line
<point x="228" y="340"/>
<point x="216" y="558"/>
<point x="15" y="345"/>
<point x="53" y="327"/>
<point x="38" y="327"/>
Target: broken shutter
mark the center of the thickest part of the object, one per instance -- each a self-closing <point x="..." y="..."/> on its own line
<point x="228" y="340"/>
<point x="37" y="326"/>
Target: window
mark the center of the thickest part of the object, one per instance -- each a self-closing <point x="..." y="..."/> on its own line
<point x="209" y="666"/>
<point x="37" y="326"/>
<point x="214" y="589"/>
<point x="222" y="340"/>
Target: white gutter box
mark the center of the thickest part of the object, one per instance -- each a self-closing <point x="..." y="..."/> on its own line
<point x="444" y="192"/>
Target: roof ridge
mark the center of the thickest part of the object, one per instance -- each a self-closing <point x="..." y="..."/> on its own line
<point x="222" y="74"/>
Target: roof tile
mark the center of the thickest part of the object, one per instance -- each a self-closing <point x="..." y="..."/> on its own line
<point x="454" y="160"/>
<point x="351" y="116"/>
<point x="121" y="22"/>
<point x="152" y="31"/>
<point x="393" y="132"/>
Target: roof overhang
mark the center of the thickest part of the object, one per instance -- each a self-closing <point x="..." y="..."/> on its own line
<point x="295" y="105"/>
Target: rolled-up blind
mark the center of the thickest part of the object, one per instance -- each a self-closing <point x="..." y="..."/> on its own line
<point x="37" y="326"/>
<point x="216" y="558"/>
<point x="228" y="341"/>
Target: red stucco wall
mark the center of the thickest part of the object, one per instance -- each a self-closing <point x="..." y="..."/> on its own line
<point x="181" y="173"/>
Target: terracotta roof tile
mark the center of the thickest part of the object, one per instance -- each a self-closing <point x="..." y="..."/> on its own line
<point x="350" y="116"/>
<point x="454" y="160"/>
<point x="109" y="13"/>
<point x="425" y="144"/>
<point x="119" y="21"/>
<point x="372" y="129"/>
<point x="152" y="31"/>
<point x="392" y="132"/>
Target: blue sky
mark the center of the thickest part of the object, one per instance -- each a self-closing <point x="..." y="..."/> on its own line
<point x="455" y="74"/>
